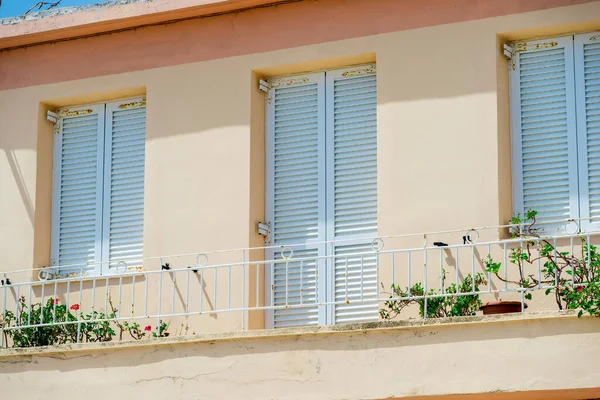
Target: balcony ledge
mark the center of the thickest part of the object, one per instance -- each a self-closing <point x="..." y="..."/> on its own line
<point x="365" y="328"/>
<point x="517" y="356"/>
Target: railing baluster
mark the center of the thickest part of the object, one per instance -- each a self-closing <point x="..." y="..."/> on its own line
<point x="120" y="302"/>
<point x="77" y="311"/>
<point x="17" y="301"/>
<point x="201" y="282"/>
<point x="174" y="275"/>
<point x="286" y="283"/>
<point x="229" y="287"/>
<point x="29" y="305"/>
<point x="301" y="282"/>
<point x="489" y="274"/>
<point x="346" y="281"/>
<point x="215" y="290"/>
<point x="146" y="279"/>
<point x="54" y="302"/>
<point x="273" y="283"/>
<point x="257" y="284"/>
<point x="362" y="279"/>
<point x="106" y="292"/>
<point x="572" y="265"/>
<point x="456" y="268"/>
<point x="158" y="317"/>
<point x="442" y="271"/>
<point x="2" y="331"/>
<point x="539" y="264"/>
<point x="132" y="296"/>
<point x="409" y="254"/>
<point x="473" y="267"/>
<point x="244" y="289"/>
<point x="589" y="260"/>
<point x="425" y="276"/>
<point x="505" y="262"/>
<point x="393" y="269"/>
<point x="555" y="270"/>
<point x="187" y="292"/>
<point x="42" y="302"/>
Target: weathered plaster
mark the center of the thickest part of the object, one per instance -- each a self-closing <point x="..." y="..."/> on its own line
<point x="506" y="354"/>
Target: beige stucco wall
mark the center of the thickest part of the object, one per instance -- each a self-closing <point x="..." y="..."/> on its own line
<point x="553" y="355"/>
<point x="442" y="131"/>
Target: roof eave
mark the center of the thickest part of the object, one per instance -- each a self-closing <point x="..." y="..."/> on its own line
<point x="116" y="18"/>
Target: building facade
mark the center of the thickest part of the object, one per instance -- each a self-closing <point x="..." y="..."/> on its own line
<point x="250" y="179"/>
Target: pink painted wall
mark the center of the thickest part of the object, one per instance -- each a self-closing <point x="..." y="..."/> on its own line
<point x="252" y="31"/>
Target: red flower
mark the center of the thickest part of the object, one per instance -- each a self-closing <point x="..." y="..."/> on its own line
<point x="148" y="328"/>
<point x="55" y="301"/>
<point x="75" y="307"/>
<point x="579" y="288"/>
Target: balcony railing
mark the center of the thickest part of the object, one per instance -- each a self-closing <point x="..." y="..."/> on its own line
<point x="436" y="274"/>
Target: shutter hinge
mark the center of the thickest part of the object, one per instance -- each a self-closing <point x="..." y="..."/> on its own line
<point x="508" y="51"/>
<point x="264" y="86"/>
<point x="52" y="116"/>
<point x="264" y="229"/>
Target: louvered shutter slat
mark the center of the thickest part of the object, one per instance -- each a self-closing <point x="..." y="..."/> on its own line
<point x="352" y="194"/>
<point x="544" y="145"/>
<point x="77" y="189"/>
<point x="295" y="153"/>
<point x="356" y="158"/>
<point x="124" y="185"/>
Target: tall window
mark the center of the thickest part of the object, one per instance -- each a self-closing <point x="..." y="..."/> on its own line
<point x="322" y="187"/>
<point x="98" y="188"/>
<point x="555" y="106"/>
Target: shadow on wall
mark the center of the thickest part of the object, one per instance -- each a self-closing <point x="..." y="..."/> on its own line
<point x="20" y="183"/>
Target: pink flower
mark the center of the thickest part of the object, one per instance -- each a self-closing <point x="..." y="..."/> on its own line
<point x="148" y="328"/>
<point x="55" y="301"/>
<point x="75" y="307"/>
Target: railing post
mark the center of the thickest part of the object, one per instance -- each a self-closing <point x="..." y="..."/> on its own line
<point x="244" y="289"/>
<point x="2" y="331"/>
<point x="425" y="276"/>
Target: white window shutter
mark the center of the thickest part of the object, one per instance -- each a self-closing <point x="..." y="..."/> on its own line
<point x="352" y="192"/>
<point x="77" y="191"/>
<point x="123" y="219"/>
<point x="296" y="197"/>
<point x="544" y="129"/>
<point x="587" y="77"/>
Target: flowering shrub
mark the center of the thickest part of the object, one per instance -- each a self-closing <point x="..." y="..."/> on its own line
<point x="575" y="279"/>
<point x="44" y="335"/>
<point x="437" y="307"/>
<point x="58" y="325"/>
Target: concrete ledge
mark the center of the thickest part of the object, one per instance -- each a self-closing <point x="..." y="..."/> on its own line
<point x="533" y="355"/>
<point x="294" y="332"/>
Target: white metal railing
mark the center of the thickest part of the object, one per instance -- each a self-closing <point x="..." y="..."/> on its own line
<point x="193" y="288"/>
